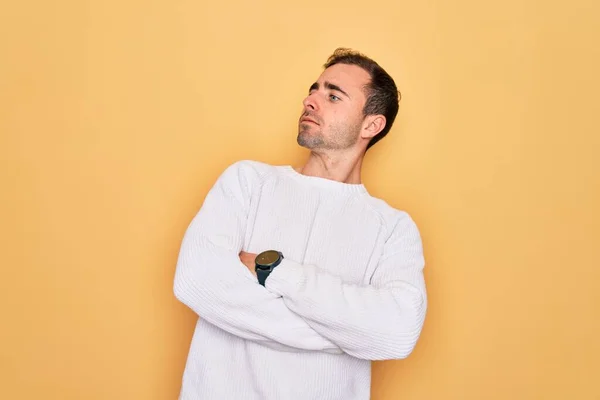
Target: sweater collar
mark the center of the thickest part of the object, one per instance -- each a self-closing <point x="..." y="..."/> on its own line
<point x="324" y="182"/>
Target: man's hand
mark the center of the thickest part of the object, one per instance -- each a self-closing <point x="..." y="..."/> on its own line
<point x="249" y="260"/>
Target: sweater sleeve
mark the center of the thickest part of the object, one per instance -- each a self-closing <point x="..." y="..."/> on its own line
<point x="378" y="321"/>
<point x="212" y="281"/>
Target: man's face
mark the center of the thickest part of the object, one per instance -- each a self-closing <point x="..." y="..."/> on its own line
<point x="332" y="116"/>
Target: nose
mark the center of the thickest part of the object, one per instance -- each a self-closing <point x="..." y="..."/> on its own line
<point x="310" y="103"/>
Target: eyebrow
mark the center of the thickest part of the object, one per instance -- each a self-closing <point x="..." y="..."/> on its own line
<point x="331" y="86"/>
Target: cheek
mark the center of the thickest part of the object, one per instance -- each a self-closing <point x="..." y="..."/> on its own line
<point x="340" y="117"/>
<point x="344" y="117"/>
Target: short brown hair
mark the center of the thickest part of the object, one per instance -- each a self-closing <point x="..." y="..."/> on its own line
<point x="382" y="94"/>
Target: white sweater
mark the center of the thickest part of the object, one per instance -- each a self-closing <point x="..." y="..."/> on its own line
<point x="349" y="290"/>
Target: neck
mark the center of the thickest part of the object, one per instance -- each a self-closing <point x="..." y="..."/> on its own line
<point x="344" y="168"/>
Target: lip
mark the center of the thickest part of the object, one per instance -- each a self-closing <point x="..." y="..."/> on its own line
<point x="305" y="119"/>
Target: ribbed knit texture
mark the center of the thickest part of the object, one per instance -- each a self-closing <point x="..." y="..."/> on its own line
<point x="350" y="288"/>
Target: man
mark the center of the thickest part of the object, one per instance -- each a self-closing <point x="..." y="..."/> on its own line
<point x="299" y="277"/>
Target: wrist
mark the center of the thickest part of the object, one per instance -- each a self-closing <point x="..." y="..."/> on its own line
<point x="265" y="263"/>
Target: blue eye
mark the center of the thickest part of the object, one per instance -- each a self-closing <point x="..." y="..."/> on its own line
<point x="333" y="97"/>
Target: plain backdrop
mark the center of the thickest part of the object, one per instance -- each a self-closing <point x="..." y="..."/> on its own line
<point x="116" y="117"/>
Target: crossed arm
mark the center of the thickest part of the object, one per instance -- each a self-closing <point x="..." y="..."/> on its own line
<point x="212" y="281"/>
<point x="301" y="307"/>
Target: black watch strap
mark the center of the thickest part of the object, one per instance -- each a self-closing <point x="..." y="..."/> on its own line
<point x="262" y="275"/>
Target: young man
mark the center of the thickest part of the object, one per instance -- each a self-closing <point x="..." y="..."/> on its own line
<point x="299" y="277"/>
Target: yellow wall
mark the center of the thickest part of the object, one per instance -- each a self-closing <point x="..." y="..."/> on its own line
<point x="117" y="116"/>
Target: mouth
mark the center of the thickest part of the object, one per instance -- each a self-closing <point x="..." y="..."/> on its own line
<point x="306" y="119"/>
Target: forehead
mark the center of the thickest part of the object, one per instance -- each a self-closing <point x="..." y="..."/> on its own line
<point x="350" y="78"/>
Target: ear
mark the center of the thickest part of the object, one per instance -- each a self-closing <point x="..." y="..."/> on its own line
<point x="373" y="125"/>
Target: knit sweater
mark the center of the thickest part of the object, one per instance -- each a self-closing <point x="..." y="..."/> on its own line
<point x="349" y="290"/>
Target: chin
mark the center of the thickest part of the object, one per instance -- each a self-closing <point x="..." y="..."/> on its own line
<point x="301" y="140"/>
<point x="311" y="142"/>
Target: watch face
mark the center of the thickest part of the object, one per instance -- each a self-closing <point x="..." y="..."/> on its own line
<point x="267" y="258"/>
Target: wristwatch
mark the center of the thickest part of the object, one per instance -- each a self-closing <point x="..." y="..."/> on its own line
<point x="266" y="263"/>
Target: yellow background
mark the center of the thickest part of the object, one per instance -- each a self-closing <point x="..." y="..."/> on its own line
<point x="117" y="116"/>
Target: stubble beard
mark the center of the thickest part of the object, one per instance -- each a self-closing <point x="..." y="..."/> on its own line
<point x="341" y="138"/>
<point x="308" y="139"/>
